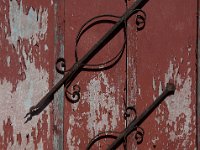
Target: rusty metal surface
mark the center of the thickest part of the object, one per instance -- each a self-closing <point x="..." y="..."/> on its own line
<point x="165" y="50"/>
<point x="27" y="62"/>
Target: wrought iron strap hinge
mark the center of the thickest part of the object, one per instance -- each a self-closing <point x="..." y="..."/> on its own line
<point x="134" y="126"/>
<point x="71" y="74"/>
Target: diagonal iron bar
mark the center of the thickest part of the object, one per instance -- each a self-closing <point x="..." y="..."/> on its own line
<point x="78" y="66"/>
<point x="170" y="89"/>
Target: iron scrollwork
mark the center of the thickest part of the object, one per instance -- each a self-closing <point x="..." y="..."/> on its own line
<point x="82" y="65"/>
<point x="70" y="75"/>
<point x="134" y="125"/>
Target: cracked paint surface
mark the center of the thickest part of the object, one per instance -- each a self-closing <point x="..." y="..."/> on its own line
<point x="26" y="60"/>
<point x="103" y="111"/>
<point x="165" y="51"/>
<point x="23" y="33"/>
<point x="15" y="104"/>
<point x="179" y="106"/>
<point x="31" y="26"/>
<point x="103" y="108"/>
<point x="178" y="119"/>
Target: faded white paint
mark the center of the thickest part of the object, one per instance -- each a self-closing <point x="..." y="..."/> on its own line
<point x="16" y="104"/>
<point x="133" y="87"/>
<point x="101" y="104"/>
<point x="71" y="140"/>
<point x="155" y="140"/>
<point x="31" y="26"/>
<point x="8" y="61"/>
<point x="179" y="108"/>
<point x="46" y="47"/>
<point x="40" y="145"/>
<point x="178" y="105"/>
<point x="154" y="84"/>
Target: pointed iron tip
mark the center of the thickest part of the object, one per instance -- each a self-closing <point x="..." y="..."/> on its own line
<point x="28" y="116"/>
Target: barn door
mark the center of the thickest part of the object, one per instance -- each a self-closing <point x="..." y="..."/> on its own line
<point x="34" y="34"/>
<point x="163" y="51"/>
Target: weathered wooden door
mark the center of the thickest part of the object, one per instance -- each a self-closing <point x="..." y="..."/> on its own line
<point x="164" y="50"/>
<point x="27" y="54"/>
<point x="33" y="34"/>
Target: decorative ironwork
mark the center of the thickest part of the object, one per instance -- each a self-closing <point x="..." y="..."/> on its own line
<point x="127" y="112"/>
<point x="70" y="75"/>
<point x="74" y="96"/>
<point x="82" y="65"/>
<point x="134" y="125"/>
<point x="61" y="66"/>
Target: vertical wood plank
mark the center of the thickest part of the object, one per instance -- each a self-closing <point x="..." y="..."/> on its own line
<point x="101" y="106"/>
<point x="165" y="50"/>
<point x="26" y="74"/>
<point x="59" y="46"/>
<point x="198" y="76"/>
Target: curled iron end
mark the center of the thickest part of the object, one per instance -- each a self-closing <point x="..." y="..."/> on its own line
<point x="139" y="135"/>
<point x="61" y="65"/>
<point x="73" y="97"/>
<point x="127" y="112"/>
<point x="140" y="20"/>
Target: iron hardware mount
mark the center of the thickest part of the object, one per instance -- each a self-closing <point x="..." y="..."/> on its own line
<point x="80" y="65"/>
<point x="134" y="124"/>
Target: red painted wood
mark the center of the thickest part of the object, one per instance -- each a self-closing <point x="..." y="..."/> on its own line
<point x="101" y="106"/>
<point x="165" y="50"/>
<point x="59" y="45"/>
<point x="27" y="72"/>
<point x="34" y="33"/>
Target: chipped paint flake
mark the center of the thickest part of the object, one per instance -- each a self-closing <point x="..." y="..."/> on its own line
<point x="71" y="141"/>
<point x="104" y="111"/>
<point x="15" y="104"/>
<point x="178" y="106"/>
<point x="31" y="26"/>
<point x="46" y="47"/>
<point x="51" y="2"/>
<point x="8" y="61"/>
<point x="154" y="84"/>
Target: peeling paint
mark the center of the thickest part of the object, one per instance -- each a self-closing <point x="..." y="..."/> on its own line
<point x="177" y="106"/>
<point x="154" y="140"/>
<point x="8" y="61"/>
<point x="31" y="26"/>
<point x="46" y="47"/>
<point x="154" y="84"/>
<point x="15" y="104"/>
<point x="179" y="120"/>
<point x="104" y="111"/>
<point x="71" y="140"/>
